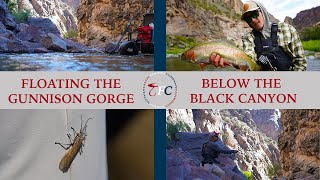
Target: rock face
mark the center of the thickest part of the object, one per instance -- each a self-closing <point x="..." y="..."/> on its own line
<point x="37" y="35"/>
<point x="102" y="21"/>
<point x="206" y="21"/>
<point x="188" y="152"/>
<point x="307" y="18"/>
<point x="56" y="10"/>
<point x="267" y="121"/>
<point x="240" y="130"/>
<point x="5" y="17"/>
<point x="299" y="144"/>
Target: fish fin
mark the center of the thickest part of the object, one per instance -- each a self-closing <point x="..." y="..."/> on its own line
<point x="244" y="67"/>
<point x="227" y="63"/>
<point x="202" y="66"/>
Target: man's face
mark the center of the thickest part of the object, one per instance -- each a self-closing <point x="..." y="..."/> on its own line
<point x="214" y="138"/>
<point x="255" y="19"/>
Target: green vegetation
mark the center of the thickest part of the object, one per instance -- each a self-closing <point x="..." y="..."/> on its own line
<point x="274" y="170"/>
<point x="179" y="44"/>
<point x="11" y="5"/>
<point x="215" y="8"/>
<point x="173" y="128"/>
<point x="20" y="16"/>
<point x="247" y="174"/>
<point x="224" y="136"/>
<point x="311" y="45"/>
<point x="70" y="34"/>
<point x="312" y="33"/>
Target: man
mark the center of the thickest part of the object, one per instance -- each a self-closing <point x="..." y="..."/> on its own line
<point x="276" y="47"/>
<point x="210" y="151"/>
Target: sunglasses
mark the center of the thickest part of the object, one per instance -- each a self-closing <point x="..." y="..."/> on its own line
<point x="255" y="15"/>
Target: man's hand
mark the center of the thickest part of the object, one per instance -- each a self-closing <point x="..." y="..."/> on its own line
<point x="217" y="60"/>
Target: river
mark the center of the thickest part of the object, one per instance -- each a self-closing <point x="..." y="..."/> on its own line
<point x="175" y="64"/>
<point x="75" y="62"/>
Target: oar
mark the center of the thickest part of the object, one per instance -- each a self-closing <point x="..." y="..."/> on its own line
<point x="125" y="31"/>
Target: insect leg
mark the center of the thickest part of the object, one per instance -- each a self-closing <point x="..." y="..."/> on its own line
<point x="69" y="136"/>
<point x="62" y="145"/>
<point x="74" y="132"/>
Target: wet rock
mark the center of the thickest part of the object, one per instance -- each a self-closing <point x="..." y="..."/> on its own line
<point x="53" y="42"/>
<point x="5" y="16"/>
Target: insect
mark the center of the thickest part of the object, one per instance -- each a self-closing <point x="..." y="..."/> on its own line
<point x="74" y="147"/>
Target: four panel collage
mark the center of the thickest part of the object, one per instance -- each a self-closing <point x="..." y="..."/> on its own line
<point x="152" y="35"/>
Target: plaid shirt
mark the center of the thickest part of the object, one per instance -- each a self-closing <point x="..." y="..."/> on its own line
<point x="288" y="39"/>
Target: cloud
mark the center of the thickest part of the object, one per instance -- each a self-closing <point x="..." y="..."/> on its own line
<point x="282" y="8"/>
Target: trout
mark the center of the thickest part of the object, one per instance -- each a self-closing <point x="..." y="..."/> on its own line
<point x="233" y="56"/>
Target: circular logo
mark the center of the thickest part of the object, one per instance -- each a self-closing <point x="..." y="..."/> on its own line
<point x="160" y="90"/>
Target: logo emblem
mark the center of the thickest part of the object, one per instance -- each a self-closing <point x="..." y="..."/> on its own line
<point x="160" y="90"/>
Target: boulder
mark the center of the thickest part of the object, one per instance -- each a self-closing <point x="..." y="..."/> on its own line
<point x="5" y="17"/>
<point x="192" y="143"/>
<point x="180" y="166"/>
<point x="44" y="24"/>
<point x="12" y="46"/>
<point x="54" y="43"/>
<point x="31" y="33"/>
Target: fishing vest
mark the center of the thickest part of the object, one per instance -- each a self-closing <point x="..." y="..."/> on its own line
<point x="279" y="59"/>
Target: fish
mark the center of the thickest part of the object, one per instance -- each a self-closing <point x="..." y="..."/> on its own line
<point x="232" y="55"/>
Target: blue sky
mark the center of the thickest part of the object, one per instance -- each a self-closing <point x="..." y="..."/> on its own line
<point x="282" y="8"/>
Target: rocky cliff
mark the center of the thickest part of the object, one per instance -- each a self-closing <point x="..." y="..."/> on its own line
<point x="102" y="21"/>
<point x="57" y="11"/>
<point x="206" y="20"/>
<point x="307" y="18"/>
<point x="37" y="35"/>
<point x="299" y="144"/>
<point x="241" y="130"/>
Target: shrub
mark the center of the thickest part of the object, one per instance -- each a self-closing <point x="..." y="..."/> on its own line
<point x="247" y="174"/>
<point x="71" y="34"/>
<point x="20" y="16"/>
<point x="11" y="5"/>
<point x="310" y="33"/>
<point x="173" y="128"/>
<point x="311" y="45"/>
<point x="273" y="170"/>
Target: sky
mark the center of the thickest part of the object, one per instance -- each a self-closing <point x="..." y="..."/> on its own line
<point x="282" y="8"/>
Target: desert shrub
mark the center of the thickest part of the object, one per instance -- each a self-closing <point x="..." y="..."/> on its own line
<point x="247" y="174"/>
<point x="11" y="5"/>
<point x="20" y="16"/>
<point x="71" y="33"/>
<point x="173" y="128"/>
<point x="273" y="170"/>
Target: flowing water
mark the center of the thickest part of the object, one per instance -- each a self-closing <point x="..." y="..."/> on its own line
<point x="175" y="64"/>
<point x="75" y="62"/>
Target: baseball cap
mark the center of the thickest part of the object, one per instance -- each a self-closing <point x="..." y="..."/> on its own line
<point x="248" y="7"/>
<point x="215" y="133"/>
